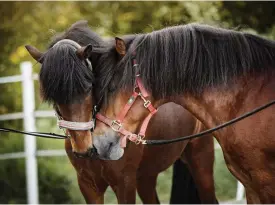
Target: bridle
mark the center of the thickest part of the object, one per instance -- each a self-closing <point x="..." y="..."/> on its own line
<point x="70" y="125"/>
<point x="116" y="124"/>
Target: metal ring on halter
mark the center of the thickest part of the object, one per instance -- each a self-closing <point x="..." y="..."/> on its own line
<point x="146" y="103"/>
<point x="116" y="123"/>
<point x="140" y="139"/>
<point x="135" y="66"/>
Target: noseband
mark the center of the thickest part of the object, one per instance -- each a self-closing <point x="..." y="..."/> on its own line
<point x="63" y="124"/>
<point x="138" y="91"/>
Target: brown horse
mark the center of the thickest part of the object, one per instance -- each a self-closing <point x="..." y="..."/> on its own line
<point x="139" y="166"/>
<point x="216" y="74"/>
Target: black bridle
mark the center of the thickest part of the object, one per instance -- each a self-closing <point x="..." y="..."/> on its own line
<point x="36" y="134"/>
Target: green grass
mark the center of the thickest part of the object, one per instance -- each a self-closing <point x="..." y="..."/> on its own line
<point x="225" y="183"/>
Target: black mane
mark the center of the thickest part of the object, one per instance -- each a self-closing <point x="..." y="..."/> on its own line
<point x="64" y="76"/>
<point x="190" y="58"/>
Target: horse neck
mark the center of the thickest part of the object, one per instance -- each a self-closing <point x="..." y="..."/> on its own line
<point x="221" y="104"/>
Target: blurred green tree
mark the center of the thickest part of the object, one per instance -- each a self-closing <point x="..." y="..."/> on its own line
<point x="255" y="14"/>
<point x="35" y="23"/>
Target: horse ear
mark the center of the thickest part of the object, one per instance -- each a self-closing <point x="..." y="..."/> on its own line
<point x="120" y="46"/>
<point x="35" y="53"/>
<point x="85" y="52"/>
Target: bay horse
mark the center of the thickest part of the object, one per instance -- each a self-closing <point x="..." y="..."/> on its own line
<point x="217" y="74"/>
<point x="68" y="82"/>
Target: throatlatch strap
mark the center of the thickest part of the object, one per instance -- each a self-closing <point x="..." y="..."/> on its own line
<point x="145" y="124"/>
<point x="141" y="87"/>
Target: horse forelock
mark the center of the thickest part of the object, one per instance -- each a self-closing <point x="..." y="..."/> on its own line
<point x="64" y="77"/>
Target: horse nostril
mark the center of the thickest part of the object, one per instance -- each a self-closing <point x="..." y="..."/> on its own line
<point x="92" y="152"/>
<point x="95" y="150"/>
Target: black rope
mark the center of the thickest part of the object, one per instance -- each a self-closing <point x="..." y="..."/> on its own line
<point x="162" y="142"/>
<point x="36" y="134"/>
<point x="152" y="142"/>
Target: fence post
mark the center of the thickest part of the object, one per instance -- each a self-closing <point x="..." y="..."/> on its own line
<point x="240" y="191"/>
<point x="29" y="125"/>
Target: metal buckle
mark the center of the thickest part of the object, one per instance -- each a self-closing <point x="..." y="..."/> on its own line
<point x="116" y="123"/>
<point x="147" y="103"/>
<point x="136" y="66"/>
<point x="140" y="139"/>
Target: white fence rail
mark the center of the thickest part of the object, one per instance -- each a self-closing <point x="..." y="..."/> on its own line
<point x="28" y="115"/>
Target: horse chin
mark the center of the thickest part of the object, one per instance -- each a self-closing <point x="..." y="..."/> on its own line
<point x="115" y="153"/>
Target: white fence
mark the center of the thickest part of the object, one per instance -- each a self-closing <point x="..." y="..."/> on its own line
<point x="28" y="115"/>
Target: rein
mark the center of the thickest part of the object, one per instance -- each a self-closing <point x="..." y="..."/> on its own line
<point x="162" y="142"/>
<point x="153" y="142"/>
<point x="36" y="134"/>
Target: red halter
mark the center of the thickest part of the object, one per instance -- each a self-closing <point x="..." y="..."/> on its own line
<point x="117" y="126"/>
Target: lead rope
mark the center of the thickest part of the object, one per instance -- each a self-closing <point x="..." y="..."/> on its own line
<point x="162" y="142"/>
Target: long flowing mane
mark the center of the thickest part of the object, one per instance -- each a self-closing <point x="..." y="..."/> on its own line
<point x="64" y="77"/>
<point x="192" y="57"/>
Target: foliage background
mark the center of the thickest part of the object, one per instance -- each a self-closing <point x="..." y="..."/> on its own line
<point x="35" y="22"/>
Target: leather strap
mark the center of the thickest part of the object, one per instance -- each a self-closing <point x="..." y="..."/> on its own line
<point x="75" y="125"/>
<point x="117" y="126"/>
